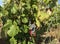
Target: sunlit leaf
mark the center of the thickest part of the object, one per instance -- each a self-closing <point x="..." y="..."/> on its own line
<point x="13" y="31"/>
<point x="7" y="24"/>
<point x="38" y="23"/>
<point x="13" y="10"/>
<point x="25" y="28"/>
<point x="25" y="20"/>
<point x="13" y="41"/>
<point x="1" y="14"/>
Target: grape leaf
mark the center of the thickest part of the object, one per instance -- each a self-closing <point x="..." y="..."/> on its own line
<point x="13" y="41"/>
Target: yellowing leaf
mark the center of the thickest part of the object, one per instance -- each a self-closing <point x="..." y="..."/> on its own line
<point x="37" y="23"/>
<point x="38" y="13"/>
<point x="8" y="1"/>
<point x="43" y="16"/>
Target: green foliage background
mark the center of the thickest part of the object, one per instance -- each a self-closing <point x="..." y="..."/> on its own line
<point x="16" y="15"/>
